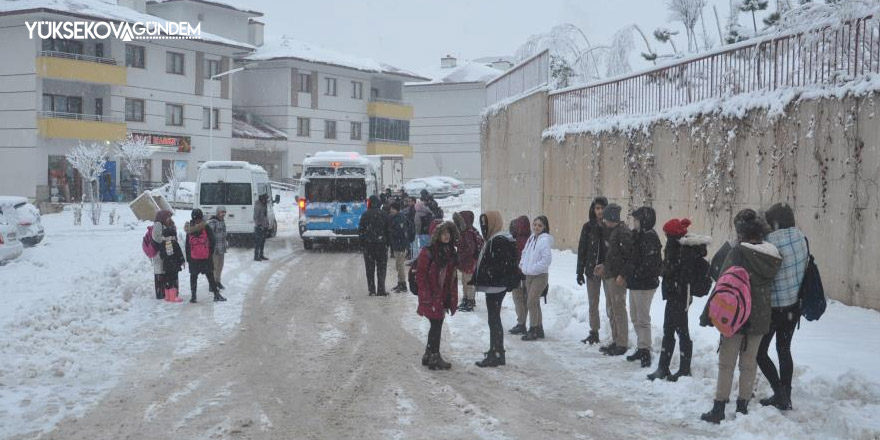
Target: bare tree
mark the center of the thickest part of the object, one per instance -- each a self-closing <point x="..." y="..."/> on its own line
<point x="617" y="59"/>
<point x="174" y="175"/>
<point x="571" y="48"/>
<point x="134" y="153"/>
<point x="90" y="161"/>
<point x="688" y="13"/>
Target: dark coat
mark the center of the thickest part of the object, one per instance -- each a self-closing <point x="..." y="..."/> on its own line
<point x="199" y="266"/>
<point x="762" y="267"/>
<point x="647" y="259"/>
<point x="618" y="260"/>
<point x="398" y="233"/>
<point x="470" y="243"/>
<point x="591" y="245"/>
<point x="680" y="265"/>
<point x="498" y="265"/>
<point x="373" y="227"/>
<point x="171" y="264"/>
<point x="437" y="278"/>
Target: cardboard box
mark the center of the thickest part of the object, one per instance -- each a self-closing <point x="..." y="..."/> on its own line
<point x="145" y="207"/>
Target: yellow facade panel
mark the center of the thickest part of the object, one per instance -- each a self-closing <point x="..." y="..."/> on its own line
<point x="85" y="130"/>
<point x="390" y="110"/>
<point x="78" y="70"/>
<point x="390" y="148"/>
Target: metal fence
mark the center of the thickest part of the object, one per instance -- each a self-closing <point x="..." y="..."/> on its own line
<point x="77" y="56"/>
<point x="818" y="57"/>
<point x="78" y="116"/>
<point x="529" y="74"/>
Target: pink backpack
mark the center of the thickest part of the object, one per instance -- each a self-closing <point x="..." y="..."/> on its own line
<point x="731" y="304"/>
<point x="199" y="248"/>
<point x="148" y="245"/>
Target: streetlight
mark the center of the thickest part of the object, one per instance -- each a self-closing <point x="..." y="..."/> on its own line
<point x="211" y="108"/>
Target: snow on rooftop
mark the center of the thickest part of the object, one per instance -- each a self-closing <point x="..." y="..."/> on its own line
<point x="465" y="73"/>
<point x="241" y="128"/>
<point x="101" y="10"/>
<point x="236" y="5"/>
<point x="289" y="48"/>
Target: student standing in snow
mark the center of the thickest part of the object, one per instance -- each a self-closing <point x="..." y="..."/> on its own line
<point x="785" y="311"/>
<point x="373" y="233"/>
<point x="618" y="264"/>
<point x="469" y="247"/>
<point x="261" y="226"/>
<point x="422" y="218"/>
<point x="761" y="260"/>
<point x="520" y="230"/>
<point x="172" y="262"/>
<point x="680" y="277"/>
<point x="199" y="248"/>
<point x="495" y="275"/>
<point x="217" y="223"/>
<point x="535" y="265"/>
<point x="438" y="288"/>
<point x="591" y="254"/>
<point x="397" y="237"/>
<point x="162" y="220"/>
<point x="643" y="280"/>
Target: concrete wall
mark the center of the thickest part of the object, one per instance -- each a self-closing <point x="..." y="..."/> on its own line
<point x="445" y="130"/>
<point x="511" y="158"/>
<point x="822" y="157"/>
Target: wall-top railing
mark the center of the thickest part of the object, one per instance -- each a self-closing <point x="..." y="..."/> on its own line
<point x="76" y="56"/>
<point x="818" y="57"/>
<point x="529" y="74"/>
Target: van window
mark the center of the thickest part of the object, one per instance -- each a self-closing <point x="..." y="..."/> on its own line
<point x="351" y="190"/>
<point x="225" y="194"/>
<point x="320" y="190"/>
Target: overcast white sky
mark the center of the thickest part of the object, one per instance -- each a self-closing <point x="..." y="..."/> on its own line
<point x="415" y="34"/>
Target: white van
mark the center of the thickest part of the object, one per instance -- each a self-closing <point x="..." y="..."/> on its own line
<point x="236" y="185"/>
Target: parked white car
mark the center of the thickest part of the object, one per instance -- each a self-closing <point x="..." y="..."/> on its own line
<point x="456" y="185"/>
<point x="25" y="217"/>
<point x="10" y="247"/>
<point x="186" y="194"/>
<point x="438" y="189"/>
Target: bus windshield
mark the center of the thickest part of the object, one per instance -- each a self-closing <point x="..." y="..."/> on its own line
<point x="336" y="190"/>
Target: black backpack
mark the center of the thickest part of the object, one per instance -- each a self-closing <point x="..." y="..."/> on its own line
<point x="701" y="283"/>
<point x="436" y="210"/>
<point x="812" y="292"/>
<point x="413" y="269"/>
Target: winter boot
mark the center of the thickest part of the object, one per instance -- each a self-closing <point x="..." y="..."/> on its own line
<point x="220" y="286"/>
<point x="540" y="331"/>
<point x="171" y="295"/>
<point x="784" y="401"/>
<point x="531" y="335"/>
<point x="193" y="298"/>
<point x="772" y="400"/>
<point x="716" y="415"/>
<point x="436" y="362"/>
<point x="660" y="373"/>
<point x="637" y="355"/>
<point x="606" y="348"/>
<point x="646" y="359"/>
<point x="426" y="357"/>
<point x="616" y="351"/>
<point x="684" y="367"/>
<point x="593" y="338"/>
<point x="518" y="329"/>
<point x="742" y="406"/>
<point x="494" y="358"/>
<point x="218" y="297"/>
<point x="465" y="306"/>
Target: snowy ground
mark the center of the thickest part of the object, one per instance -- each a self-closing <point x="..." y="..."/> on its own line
<point x="85" y="349"/>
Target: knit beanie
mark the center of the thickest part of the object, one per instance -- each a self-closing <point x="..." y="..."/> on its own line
<point x="677" y="227"/>
<point x="612" y="212"/>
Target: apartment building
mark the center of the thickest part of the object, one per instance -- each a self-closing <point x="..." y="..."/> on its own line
<point x="445" y="130"/>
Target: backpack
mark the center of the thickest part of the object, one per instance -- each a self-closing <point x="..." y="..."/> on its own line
<point x="148" y="245"/>
<point x="199" y="248"/>
<point x="436" y="210"/>
<point x="812" y="293"/>
<point x="411" y="275"/>
<point x="731" y="304"/>
<point x="702" y="282"/>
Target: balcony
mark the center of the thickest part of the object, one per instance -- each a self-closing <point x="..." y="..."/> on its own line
<point x="57" y="125"/>
<point x="377" y="146"/>
<point x="76" y="67"/>
<point x="391" y="109"/>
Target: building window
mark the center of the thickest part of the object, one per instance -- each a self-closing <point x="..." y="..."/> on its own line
<point x="329" y="129"/>
<point x="64" y="46"/>
<point x="174" y="114"/>
<point x="135" y="56"/>
<point x="99" y="50"/>
<point x="355" y="131"/>
<point x="305" y="82"/>
<point x="62" y="104"/>
<point x="99" y="106"/>
<point x="212" y="67"/>
<point x="331" y="86"/>
<point x="174" y="63"/>
<point x="134" y="110"/>
<point x="385" y="129"/>
<point x="357" y="90"/>
<point x="206" y="118"/>
<point x="303" y="127"/>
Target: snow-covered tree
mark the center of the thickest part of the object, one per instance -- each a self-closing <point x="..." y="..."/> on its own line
<point x="576" y="58"/>
<point x="617" y="58"/>
<point x="134" y="153"/>
<point x="753" y="6"/>
<point x="174" y="176"/>
<point x="734" y="31"/>
<point x="664" y="35"/>
<point x="688" y="13"/>
<point x="90" y="161"/>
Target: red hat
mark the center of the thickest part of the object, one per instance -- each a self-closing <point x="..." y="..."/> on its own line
<point x="677" y="227"/>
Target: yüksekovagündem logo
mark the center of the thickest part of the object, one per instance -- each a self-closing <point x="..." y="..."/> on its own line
<point x="101" y="30"/>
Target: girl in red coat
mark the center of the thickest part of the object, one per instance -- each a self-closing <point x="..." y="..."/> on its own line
<point x="438" y="287"/>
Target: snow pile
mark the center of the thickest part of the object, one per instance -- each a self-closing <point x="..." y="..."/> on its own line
<point x="465" y="73"/>
<point x="255" y="129"/>
<point x="500" y="106"/>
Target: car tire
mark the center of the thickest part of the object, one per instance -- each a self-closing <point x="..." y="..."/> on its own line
<point x="308" y="244"/>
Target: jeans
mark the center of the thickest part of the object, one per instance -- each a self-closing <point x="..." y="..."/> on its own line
<point x="493" y="310"/>
<point x="259" y="241"/>
<point x="376" y="263"/>
<point x="675" y="320"/>
<point x="783" y="321"/>
<point x="399" y="264"/>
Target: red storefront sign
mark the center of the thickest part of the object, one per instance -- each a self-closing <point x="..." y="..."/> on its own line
<point x="180" y="144"/>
